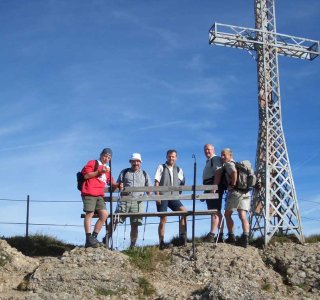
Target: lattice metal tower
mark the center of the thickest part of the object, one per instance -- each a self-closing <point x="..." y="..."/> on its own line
<point x="275" y="205"/>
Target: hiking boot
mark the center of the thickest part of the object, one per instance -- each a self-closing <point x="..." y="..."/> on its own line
<point x="164" y="245"/>
<point x="99" y="243"/>
<point x="220" y="238"/>
<point x="243" y="241"/>
<point x="231" y="239"/>
<point x="210" y="238"/>
<point x="105" y="241"/>
<point x="91" y="242"/>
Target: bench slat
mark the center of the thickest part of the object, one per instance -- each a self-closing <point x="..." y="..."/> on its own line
<point x="162" y="214"/>
<point x="181" y="188"/>
<point x="162" y="197"/>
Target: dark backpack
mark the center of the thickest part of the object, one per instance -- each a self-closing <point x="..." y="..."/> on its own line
<point x="125" y="171"/>
<point x="246" y="179"/>
<point x="80" y="176"/>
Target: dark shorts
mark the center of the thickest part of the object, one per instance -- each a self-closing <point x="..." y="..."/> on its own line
<point x="174" y="205"/>
<point x="215" y="203"/>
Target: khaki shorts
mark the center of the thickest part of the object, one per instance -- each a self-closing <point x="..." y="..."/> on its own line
<point x="237" y="200"/>
<point x="133" y="207"/>
<point x="92" y="203"/>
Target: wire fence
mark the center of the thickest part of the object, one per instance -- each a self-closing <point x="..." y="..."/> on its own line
<point x="72" y="231"/>
<point x="28" y="201"/>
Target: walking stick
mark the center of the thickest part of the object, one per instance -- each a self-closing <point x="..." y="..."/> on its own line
<point x="145" y="222"/>
<point x="221" y="221"/>
<point x="194" y="205"/>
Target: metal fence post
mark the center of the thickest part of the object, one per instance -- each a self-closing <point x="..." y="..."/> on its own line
<point x="194" y="205"/>
<point x="27" y="221"/>
<point x="111" y="209"/>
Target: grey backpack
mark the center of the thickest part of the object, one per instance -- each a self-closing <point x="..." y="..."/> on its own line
<point x="246" y="179"/>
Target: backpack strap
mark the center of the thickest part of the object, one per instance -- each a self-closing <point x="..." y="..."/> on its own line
<point x="96" y="165"/>
<point x="125" y="171"/>
<point x="145" y="177"/>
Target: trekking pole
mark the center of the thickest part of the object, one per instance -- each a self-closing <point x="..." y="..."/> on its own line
<point x="194" y="205"/>
<point x="221" y="221"/>
<point x="111" y="213"/>
<point x="145" y="222"/>
<point x="125" y="231"/>
<point x="117" y="219"/>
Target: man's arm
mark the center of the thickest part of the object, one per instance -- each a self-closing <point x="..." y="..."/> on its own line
<point x="95" y="173"/>
<point x="233" y="181"/>
<point x="217" y="176"/>
<point x="88" y="171"/>
<point x="157" y="183"/>
<point x="181" y="177"/>
<point x="157" y="179"/>
<point x="148" y="183"/>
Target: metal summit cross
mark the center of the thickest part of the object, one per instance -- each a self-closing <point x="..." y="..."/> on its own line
<point x="275" y="205"/>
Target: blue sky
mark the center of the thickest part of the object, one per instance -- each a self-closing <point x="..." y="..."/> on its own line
<point x="139" y="76"/>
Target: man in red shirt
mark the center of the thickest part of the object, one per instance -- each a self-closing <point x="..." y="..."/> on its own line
<point x="96" y="174"/>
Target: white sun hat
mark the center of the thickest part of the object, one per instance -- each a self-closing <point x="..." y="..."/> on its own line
<point x="135" y="156"/>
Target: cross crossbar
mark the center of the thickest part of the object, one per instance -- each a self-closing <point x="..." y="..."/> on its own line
<point x="246" y="38"/>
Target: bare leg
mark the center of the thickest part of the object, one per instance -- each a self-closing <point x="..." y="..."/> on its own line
<point x="183" y="221"/>
<point x="103" y="214"/>
<point x="134" y="234"/>
<point x="87" y="222"/>
<point x="161" y="228"/>
<point x="243" y="218"/>
<point x="214" y="223"/>
<point x="229" y="221"/>
<point x="221" y="223"/>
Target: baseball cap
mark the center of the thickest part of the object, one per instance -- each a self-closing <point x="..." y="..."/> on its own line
<point x="107" y="151"/>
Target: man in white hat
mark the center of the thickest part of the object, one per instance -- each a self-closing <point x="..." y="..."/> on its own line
<point x="132" y="177"/>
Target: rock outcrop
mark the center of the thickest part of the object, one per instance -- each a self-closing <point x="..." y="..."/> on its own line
<point x="14" y="267"/>
<point x="299" y="265"/>
<point x="283" y="271"/>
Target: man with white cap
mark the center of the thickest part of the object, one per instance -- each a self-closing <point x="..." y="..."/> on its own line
<point x="132" y="177"/>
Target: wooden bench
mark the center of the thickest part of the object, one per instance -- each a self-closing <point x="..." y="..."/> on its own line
<point x="197" y="194"/>
<point x="192" y="192"/>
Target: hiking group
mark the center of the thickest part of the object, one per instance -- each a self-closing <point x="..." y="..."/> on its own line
<point x="222" y="171"/>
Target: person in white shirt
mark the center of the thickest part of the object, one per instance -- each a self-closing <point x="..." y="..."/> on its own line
<point x="169" y="174"/>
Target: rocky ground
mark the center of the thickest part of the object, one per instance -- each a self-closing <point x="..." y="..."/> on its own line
<point x="283" y="271"/>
